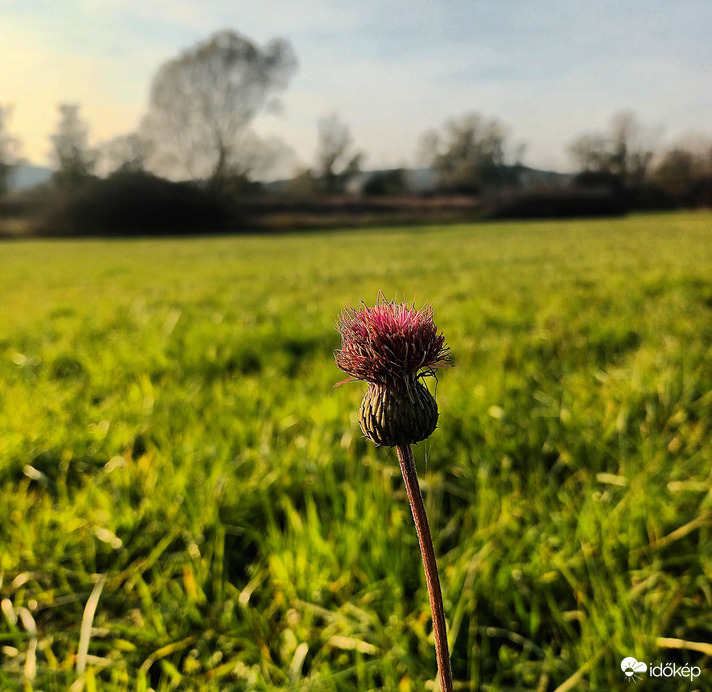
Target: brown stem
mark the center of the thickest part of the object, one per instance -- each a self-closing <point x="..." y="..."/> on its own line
<point x="410" y="477"/>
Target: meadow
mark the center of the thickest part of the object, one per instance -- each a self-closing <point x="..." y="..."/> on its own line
<point x="187" y="501"/>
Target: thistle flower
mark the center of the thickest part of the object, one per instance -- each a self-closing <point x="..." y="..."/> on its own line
<point x="393" y="347"/>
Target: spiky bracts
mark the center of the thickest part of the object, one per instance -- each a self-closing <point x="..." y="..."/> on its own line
<point x="392" y="417"/>
<point x="391" y="346"/>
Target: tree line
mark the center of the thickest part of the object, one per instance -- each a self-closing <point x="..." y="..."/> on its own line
<point x="203" y="102"/>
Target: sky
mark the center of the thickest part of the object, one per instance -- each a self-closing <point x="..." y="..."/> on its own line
<point x="548" y="70"/>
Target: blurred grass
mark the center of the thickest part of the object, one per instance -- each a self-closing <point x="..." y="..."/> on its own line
<point x="168" y="423"/>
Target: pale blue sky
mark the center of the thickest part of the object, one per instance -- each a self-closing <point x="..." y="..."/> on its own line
<point x="549" y="70"/>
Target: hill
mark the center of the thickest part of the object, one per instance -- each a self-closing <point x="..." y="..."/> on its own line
<point x="29" y="175"/>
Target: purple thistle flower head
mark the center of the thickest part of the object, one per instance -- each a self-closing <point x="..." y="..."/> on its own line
<point x="389" y="344"/>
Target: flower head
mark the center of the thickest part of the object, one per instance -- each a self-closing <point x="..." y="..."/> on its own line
<point x="389" y="344"/>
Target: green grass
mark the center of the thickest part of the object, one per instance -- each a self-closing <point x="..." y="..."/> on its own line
<point x="168" y="420"/>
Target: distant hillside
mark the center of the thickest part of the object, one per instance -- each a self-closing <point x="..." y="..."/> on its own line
<point x="418" y="179"/>
<point x="25" y="176"/>
<point x="422" y="180"/>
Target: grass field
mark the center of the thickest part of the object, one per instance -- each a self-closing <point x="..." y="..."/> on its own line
<point x="175" y="460"/>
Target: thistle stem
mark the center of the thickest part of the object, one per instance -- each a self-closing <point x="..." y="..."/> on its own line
<point x="410" y="477"/>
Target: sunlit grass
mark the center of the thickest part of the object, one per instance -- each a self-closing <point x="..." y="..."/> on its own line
<point x="168" y="420"/>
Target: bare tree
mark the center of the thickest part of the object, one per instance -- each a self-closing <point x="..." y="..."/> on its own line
<point x="622" y="155"/>
<point x="684" y="175"/>
<point x="590" y="153"/>
<point x="9" y="150"/>
<point x="633" y="149"/>
<point x="203" y="101"/>
<point x="261" y="157"/>
<point x="74" y="158"/>
<point x="124" y="154"/>
<point x="675" y="174"/>
<point x="336" y="163"/>
<point x="470" y="154"/>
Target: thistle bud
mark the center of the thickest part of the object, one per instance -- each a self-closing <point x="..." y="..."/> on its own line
<point x="392" y="346"/>
<point x="398" y="417"/>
